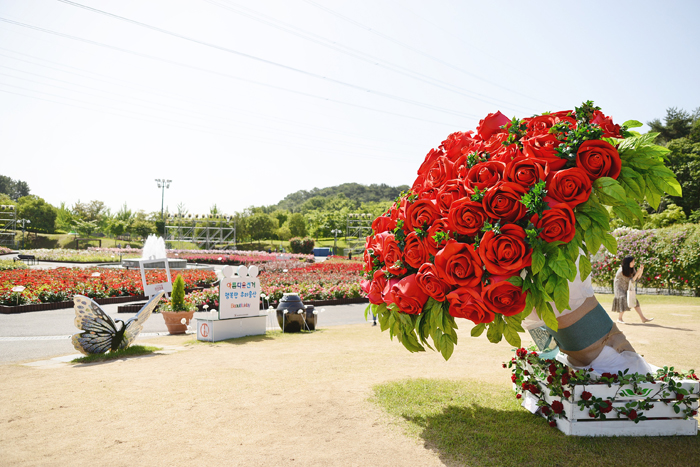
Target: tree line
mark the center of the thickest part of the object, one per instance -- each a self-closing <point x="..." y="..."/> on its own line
<point x="317" y="213"/>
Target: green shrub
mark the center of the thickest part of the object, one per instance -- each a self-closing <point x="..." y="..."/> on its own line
<point x="177" y="299"/>
<point x="304" y="246"/>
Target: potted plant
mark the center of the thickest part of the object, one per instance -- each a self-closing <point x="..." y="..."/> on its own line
<point x="177" y="309"/>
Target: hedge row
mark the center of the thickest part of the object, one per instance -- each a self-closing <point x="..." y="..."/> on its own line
<point x="671" y="257"/>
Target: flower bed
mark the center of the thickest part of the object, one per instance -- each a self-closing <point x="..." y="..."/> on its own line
<point x="5" y="251"/>
<point x="60" y="284"/>
<point x="328" y="280"/>
<point x="581" y="404"/>
<point x="671" y="257"/>
<point x="106" y="255"/>
<point x="91" y="255"/>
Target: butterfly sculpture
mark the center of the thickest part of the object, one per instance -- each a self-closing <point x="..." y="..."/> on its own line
<point x="100" y="332"/>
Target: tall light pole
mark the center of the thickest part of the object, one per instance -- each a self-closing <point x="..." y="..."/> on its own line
<point x="24" y="223"/>
<point x="163" y="184"/>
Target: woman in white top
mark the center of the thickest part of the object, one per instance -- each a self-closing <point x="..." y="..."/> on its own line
<point x="626" y="274"/>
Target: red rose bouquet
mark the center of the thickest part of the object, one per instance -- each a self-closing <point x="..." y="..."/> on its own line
<point x="496" y="221"/>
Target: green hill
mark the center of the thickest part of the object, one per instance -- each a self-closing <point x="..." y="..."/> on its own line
<point x="353" y="191"/>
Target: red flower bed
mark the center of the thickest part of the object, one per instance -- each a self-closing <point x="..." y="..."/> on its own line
<point x="319" y="281"/>
<point x="57" y="285"/>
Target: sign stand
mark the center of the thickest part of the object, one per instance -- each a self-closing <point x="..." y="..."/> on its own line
<point x="239" y="308"/>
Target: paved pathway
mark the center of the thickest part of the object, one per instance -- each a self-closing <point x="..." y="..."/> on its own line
<point x="44" y="334"/>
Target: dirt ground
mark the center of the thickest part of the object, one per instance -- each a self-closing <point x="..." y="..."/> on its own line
<point x="260" y="401"/>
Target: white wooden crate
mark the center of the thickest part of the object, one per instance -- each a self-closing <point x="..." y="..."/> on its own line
<point x="661" y="420"/>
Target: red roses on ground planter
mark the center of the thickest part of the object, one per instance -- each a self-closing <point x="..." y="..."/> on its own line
<point x="499" y="221"/>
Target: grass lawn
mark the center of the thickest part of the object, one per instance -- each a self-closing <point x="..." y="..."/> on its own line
<point x="133" y="351"/>
<point x="470" y="423"/>
<point x="478" y="423"/>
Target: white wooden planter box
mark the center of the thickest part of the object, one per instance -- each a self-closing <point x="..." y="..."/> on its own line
<point x="661" y="420"/>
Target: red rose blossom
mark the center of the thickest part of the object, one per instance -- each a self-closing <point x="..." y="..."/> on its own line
<point x="450" y="192"/>
<point x="414" y="252"/>
<point x="599" y="159"/>
<point x="465" y="302"/>
<point x="408" y="296"/>
<point x="484" y="175"/>
<point x="505" y="254"/>
<point x="431" y="283"/>
<point x="557" y="223"/>
<point x="466" y="217"/>
<point x="459" y="265"/>
<point x="504" y="298"/>
<point x="503" y="202"/>
<point x="440" y="225"/>
<point x="524" y="171"/>
<point x="393" y="258"/>
<point x="456" y="143"/>
<point x="421" y="212"/>
<point x="610" y="130"/>
<point x="543" y="148"/>
<point x="571" y="186"/>
<point x="557" y="407"/>
<point x="585" y="395"/>
<point x="491" y="124"/>
<point x="375" y="294"/>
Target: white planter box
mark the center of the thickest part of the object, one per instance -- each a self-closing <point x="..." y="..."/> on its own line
<point x="661" y="419"/>
<point x="213" y="330"/>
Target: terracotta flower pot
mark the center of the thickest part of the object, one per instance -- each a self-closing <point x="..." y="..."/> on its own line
<point x="173" y="320"/>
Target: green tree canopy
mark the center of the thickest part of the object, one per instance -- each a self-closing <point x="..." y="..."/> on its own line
<point x="15" y="189"/>
<point x="681" y="132"/>
<point x="297" y="225"/>
<point x="41" y="214"/>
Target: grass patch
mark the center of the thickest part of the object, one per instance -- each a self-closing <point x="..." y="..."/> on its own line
<point x="132" y="351"/>
<point x="477" y="424"/>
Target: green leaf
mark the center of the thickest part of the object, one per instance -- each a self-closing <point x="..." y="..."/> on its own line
<point x="478" y="330"/>
<point x="652" y="195"/>
<point x="564" y="267"/>
<point x="593" y="240"/>
<point x="538" y="261"/>
<point x="632" y="182"/>
<point x="632" y="124"/>
<point x="447" y="350"/>
<point x="549" y="317"/>
<point x="609" y="191"/>
<point x="516" y="281"/>
<point x="561" y="295"/>
<point x="512" y="336"/>
<point x="369" y="307"/>
<point x="583" y="220"/>
<point x="584" y="266"/>
<point x="610" y="243"/>
<point x="493" y="333"/>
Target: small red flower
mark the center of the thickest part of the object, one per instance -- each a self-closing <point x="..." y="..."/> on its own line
<point x="546" y="410"/>
<point x="679" y="397"/>
<point x="585" y="395"/>
<point x="557" y="407"/>
<point x="518" y="396"/>
<point x="553" y="423"/>
<point x="567" y="394"/>
<point x="632" y="415"/>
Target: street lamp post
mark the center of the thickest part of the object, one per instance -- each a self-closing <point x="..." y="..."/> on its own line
<point x="335" y="233"/>
<point x="24" y="222"/>
<point x="163" y="184"/>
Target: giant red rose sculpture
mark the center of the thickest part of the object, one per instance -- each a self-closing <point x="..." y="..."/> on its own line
<point x="497" y="221"/>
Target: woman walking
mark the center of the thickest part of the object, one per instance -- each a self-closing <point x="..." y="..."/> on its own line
<point x="625" y="279"/>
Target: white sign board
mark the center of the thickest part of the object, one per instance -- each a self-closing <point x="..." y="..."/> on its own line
<point x="239" y="293"/>
<point x="151" y="289"/>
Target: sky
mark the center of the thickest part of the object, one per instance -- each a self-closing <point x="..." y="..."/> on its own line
<point x="242" y="103"/>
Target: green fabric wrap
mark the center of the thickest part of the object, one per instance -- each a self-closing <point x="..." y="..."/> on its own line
<point x="584" y="332"/>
